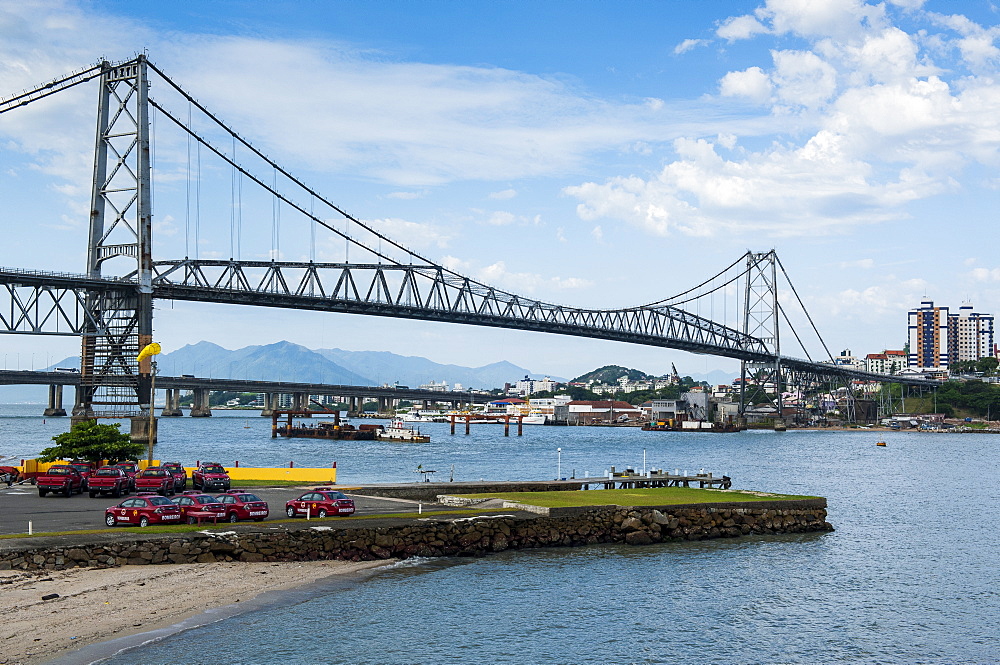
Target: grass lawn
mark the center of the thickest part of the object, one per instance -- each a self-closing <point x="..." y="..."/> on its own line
<point x="657" y="496"/>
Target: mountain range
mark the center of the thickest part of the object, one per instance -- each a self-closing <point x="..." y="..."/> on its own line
<point x="285" y="361"/>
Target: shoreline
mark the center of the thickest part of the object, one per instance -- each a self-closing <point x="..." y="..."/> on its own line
<point x="102" y="611"/>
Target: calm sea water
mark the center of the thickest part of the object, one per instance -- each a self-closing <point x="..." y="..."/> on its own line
<point x="910" y="576"/>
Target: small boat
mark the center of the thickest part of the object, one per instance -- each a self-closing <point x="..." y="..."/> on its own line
<point x="880" y="443"/>
<point x="398" y="431"/>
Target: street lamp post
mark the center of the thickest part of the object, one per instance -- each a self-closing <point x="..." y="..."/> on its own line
<point x="558" y="463"/>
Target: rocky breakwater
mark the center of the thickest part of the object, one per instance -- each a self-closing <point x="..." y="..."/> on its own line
<point x="403" y="538"/>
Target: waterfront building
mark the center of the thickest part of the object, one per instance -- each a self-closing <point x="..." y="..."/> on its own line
<point x="970" y="335"/>
<point x="585" y="412"/>
<point x="927" y="328"/>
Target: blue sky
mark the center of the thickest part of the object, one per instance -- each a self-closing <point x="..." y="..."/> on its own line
<point x="587" y="153"/>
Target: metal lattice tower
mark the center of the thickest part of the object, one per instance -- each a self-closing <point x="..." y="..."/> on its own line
<point x="113" y="384"/>
<point x="760" y="320"/>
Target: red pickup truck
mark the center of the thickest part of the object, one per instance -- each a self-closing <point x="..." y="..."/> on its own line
<point x="108" y="480"/>
<point x="209" y="476"/>
<point x="154" y="479"/>
<point x="60" y="478"/>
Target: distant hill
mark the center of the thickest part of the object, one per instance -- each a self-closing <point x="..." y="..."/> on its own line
<point x="285" y="361"/>
<point x="610" y="374"/>
<point x="385" y="367"/>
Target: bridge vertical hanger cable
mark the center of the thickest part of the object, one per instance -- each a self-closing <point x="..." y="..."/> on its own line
<point x="312" y="230"/>
<point x="232" y="207"/>
<point x="197" y="204"/>
<point x="274" y="216"/>
<point x="187" y="193"/>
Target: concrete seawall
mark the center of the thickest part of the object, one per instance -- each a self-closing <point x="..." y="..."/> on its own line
<point x="364" y="540"/>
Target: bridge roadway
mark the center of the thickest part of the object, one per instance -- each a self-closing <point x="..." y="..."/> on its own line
<point x="27" y="377"/>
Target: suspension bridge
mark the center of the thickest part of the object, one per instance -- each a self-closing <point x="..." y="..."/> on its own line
<point x="110" y="304"/>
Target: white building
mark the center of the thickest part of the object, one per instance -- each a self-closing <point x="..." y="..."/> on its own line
<point x="970" y="334"/>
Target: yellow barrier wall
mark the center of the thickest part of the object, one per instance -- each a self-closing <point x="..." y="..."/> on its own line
<point x="297" y="474"/>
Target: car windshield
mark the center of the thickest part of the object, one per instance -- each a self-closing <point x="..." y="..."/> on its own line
<point x="107" y="472"/>
<point x="213" y="469"/>
<point x="160" y="501"/>
<point x="249" y="497"/>
<point x="58" y="472"/>
<point x="153" y="473"/>
<point x="81" y="467"/>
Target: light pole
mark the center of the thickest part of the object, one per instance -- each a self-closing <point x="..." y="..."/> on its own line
<point x="558" y="463"/>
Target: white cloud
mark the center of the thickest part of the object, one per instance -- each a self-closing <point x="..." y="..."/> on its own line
<point x="597" y="233"/>
<point x="524" y="282"/>
<point x="985" y="275"/>
<point x="503" y="194"/>
<point x="740" y="27"/>
<point x="689" y="44"/>
<point x="414" y="235"/>
<point x="751" y="83"/>
<point x="781" y="191"/>
<point x="406" y="196"/>
<point x="501" y="218"/>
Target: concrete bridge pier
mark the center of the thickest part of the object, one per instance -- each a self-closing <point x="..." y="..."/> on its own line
<point x="383" y="404"/>
<point x="300" y="401"/>
<point x="140" y="430"/>
<point x="352" y="406"/>
<point x="171" y="403"/>
<point x="200" y="407"/>
<point x="55" y="407"/>
<point x="270" y="404"/>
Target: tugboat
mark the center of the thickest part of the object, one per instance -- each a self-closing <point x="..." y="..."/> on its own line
<point x="398" y="431"/>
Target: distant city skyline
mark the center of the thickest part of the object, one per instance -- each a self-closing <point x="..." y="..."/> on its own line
<point x="577" y="152"/>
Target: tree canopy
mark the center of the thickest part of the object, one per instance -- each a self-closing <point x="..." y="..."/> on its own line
<point x="93" y="442"/>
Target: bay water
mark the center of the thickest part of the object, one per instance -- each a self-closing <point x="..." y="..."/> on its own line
<point x="911" y="575"/>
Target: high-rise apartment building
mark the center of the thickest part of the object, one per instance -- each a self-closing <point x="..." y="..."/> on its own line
<point x="928" y="335"/>
<point x="970" y="334"/>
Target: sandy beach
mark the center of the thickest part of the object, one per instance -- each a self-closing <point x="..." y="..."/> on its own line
<point x="95" y="605"/>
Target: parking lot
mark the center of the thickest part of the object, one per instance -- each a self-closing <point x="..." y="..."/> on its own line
<point x="20" y="504"/>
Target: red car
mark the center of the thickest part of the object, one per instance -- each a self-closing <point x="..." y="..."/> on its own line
<point x="243" y="506"/>
<point x="196" y="501"/>
<point x="143" y="510"/>
<point x="320" y="502"/>
<point x="180" y="475"/>
<point x="154" y="479"/>
<point x="108" y="479"/>
<point x="210" y="475"/>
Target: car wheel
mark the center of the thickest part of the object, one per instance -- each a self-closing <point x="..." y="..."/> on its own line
<point x="192" y="520"/>
<point x="288" y="511"/>
<point x="117" y="493"/>
<point x="42" y="492"/>
<point x="94" y="494"/>
<point x="233" y="517"/>
<point x="143" y="521"/>
<point x="321" y="513"/>
<point x="69" y="491"/>
<point x="110" y="520"/>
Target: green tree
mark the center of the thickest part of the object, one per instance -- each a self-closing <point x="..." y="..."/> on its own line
<point x="93" y="442"/>
<point x="987" y="365"/>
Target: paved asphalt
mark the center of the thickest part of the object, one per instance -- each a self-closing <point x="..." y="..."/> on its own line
<point x="20" y="504"/>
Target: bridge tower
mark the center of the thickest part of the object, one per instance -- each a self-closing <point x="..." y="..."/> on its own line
<point x="760" y="320"/>
<point x="113" y="384"/>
